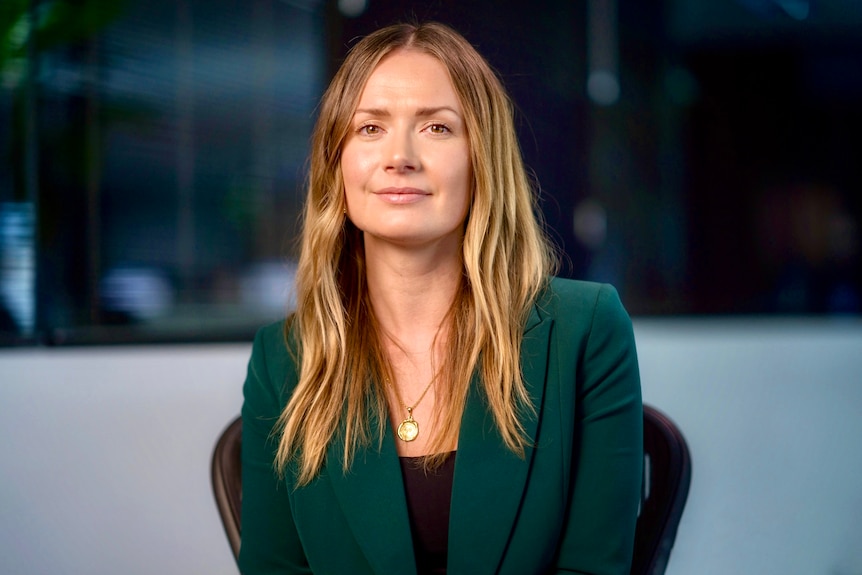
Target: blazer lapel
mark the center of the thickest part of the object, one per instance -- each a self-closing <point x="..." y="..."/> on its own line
<point x="371" y="495"/>
<point x="489" y="478"/>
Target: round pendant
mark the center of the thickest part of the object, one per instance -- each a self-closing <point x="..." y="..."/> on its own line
<point x="408" y="430"/>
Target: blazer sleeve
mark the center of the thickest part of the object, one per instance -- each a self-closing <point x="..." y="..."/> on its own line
<point x="270" y="542"/>
<point x="598" y="538"/>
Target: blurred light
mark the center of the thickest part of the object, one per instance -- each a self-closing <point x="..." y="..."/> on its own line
<point x="796" y="9"/>
<point x="18" y="264"/>
<point x="603" y="88"/>
<point x="268" y="287"/>
<point x="142" y="293"/>
<point x="352" y="8"/>
<point x="591" y="224"/>
<point x="603" y="81"/>
<point x="770" y="9"/>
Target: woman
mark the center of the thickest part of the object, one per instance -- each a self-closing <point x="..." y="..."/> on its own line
<point x="437" y="403"/>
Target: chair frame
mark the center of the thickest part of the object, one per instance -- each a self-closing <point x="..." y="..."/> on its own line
<point x="227" y="481"/>
<point x="667" y="475"/>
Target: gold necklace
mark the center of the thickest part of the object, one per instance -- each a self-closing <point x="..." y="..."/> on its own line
<point x="408" y="430"/>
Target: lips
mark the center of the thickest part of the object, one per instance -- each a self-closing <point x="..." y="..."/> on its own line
<point x="401" y="195"/>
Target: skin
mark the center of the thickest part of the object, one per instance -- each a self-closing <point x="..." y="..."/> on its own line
<point x="406" y="163"/>
<point x="407" y="182"/>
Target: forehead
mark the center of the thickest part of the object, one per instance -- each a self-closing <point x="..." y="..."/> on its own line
<point x="410" y="74"/>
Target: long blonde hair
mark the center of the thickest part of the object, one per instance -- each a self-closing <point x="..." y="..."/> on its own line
<point x="506" y="259"/>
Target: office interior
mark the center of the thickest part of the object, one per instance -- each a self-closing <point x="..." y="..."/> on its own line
<point x="700" y="156"/>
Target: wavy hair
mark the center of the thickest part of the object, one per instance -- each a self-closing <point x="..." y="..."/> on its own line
<point x="506" y="259"/>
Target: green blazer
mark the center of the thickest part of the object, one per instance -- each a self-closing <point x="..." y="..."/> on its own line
<point x="569" y="506"/>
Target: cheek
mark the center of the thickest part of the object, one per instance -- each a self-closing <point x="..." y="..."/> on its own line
<point x="464" y="181"/>
<point x="354" y="168"/>
<point x="349" y="181"/>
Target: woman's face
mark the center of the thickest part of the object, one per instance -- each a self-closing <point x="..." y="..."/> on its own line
<point x="406" y="159"/>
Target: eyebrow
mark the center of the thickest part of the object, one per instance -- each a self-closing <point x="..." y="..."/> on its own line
<point x="420" y="113"/>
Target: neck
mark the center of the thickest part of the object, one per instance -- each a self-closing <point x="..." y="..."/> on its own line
<point x="412" y="290"/>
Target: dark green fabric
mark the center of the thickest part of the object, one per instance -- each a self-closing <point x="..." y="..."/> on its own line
<point x="569" y="506"/>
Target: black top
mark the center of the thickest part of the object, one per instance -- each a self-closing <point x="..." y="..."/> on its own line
<point x="428" y="499"/>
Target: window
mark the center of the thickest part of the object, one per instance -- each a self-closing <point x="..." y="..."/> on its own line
<point x="701" y="156"/>
<point x="163" y="147"/>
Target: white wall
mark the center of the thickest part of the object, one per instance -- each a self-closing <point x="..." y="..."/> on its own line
<point x="104" y="459"/>
<point x="104" y="452"/>
<point x="772" y="411"/>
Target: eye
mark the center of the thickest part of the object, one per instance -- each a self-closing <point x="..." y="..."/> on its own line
<point x="439" y="129"/>
<point x="369" y="130"/>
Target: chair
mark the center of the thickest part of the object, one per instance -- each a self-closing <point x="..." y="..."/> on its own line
<point x="667" y="475"/>
<point x="227" y="481"/>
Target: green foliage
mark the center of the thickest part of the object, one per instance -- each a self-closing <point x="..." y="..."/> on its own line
<point x="13" y="24"/>
<point x="58" y="23"/>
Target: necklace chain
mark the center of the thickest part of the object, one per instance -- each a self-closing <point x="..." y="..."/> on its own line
<point x="408" y="430"/>
<point x="418" y="401"/>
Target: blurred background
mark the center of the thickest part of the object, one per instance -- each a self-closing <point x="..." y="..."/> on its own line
<point x="702" y="156"/>
<point x="698" y="155"/>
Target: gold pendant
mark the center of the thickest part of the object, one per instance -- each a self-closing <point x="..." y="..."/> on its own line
<point x="409" y="428"/>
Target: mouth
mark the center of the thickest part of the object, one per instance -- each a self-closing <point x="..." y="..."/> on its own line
<point x="401" y="195"/>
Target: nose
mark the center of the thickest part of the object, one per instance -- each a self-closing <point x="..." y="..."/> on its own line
<point x="401" y="153"/>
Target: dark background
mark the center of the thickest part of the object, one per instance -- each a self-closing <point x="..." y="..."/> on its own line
<point x="152" y="153"/>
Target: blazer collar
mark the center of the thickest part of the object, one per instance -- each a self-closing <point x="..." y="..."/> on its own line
<point x="488" y="486"/>
<point x="489" y="479"/>
<point x="371" y="496"/>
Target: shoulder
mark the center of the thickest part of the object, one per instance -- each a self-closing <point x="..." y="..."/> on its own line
<point x="585" y="314"/>
<point x="594" y="337"/>
<point x="583" y="301"/>
<point x="271" y="335"/>
<point x="272" y="368"/>
<point x="573" y="289"/>
<point x="270" y="343"/>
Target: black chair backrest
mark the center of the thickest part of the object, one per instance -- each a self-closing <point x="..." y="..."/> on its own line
<point x="667" y="475"/>
<point x="227" y="481"/>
